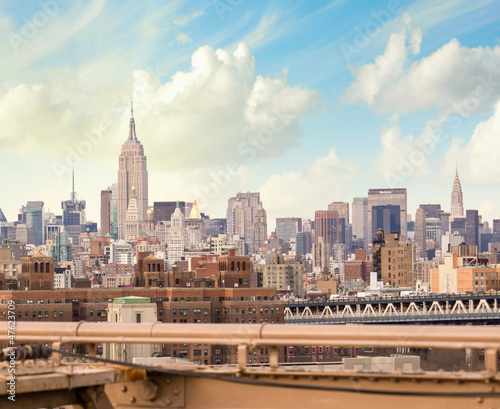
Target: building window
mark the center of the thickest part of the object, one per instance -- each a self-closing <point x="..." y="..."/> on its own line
<point x="138" y="318"/>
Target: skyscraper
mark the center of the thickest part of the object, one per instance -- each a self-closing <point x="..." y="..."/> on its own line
<point x="288" y="227"/>
<point x="360" y="219"/>
<point x="133" y="219"/>
<point x="162" y="211"/>
<point x="457" y="199"/>
<point x="35" y="219"/>
<point x="472" y="227"/>
<point x="342" y="208"/>
<point x="61" y="250"/>
<point x="330" y="226"/>
<point x="420" y="232"/>
<point x="132" y="170"/>
<point x="260" y="228"/>
<point x="73" y="215"/>
<point x="176" y="239"/>
<point x="387" y="210"/>
<point x="241" y="211"/>
<point x="106" y="212"/>
<point x="303" y="242"/>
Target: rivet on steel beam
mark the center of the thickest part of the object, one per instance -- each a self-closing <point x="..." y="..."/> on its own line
<point x="479" y="400"/>
<point x="168" y="381"/>
<point x="124" y="389"/>
<point x="132" y="399"/>
<point x="168" y="402"/>
<point x="176" y="392"/>
<point x="149" y="390"/>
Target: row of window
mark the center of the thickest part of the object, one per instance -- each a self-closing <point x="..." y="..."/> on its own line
<point x="36" y="314"/>
<point x="226" y="320"/>
<point x="321" y="350"/>
<point x="398" y="252"/>
<point x="185" y="311"/>
<point x="110" y="300"/>
<point x="484" y="274"/>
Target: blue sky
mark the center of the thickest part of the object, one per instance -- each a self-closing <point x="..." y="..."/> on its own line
<point x="308" y="102"/>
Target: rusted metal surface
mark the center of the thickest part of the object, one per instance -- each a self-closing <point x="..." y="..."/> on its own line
<point x="158" y="391"/>
<point x="44" y="400"/>
<point x="48" y="377"/>
<point x="254" y="396"/>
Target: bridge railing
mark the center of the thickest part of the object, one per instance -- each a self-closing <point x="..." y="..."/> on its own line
<point x="256" y="335"/>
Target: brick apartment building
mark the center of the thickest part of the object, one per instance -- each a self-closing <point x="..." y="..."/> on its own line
<point x="174" y="305"/>
<point x="398" y="261"/>
<point x="360" y="268"/>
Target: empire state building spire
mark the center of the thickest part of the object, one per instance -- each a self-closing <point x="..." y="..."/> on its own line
<point x="457" y="199"/>
<point x="132" y="172"/>
<point x="132" y="137"/>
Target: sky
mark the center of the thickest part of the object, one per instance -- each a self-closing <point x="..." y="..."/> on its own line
<point x="308" y="102"/>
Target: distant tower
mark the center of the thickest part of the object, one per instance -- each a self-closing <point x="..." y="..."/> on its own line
<point x="73" y="214"/>
<point x="457" y="199"/>
<point x="195" y="228"/>
<point x="240" y="214"/>
<point x="195" y="211"/>
<point x="132" y="170"/>
<point x="133" y="219"/>
<point x="378" y="243"/>
<point x="420" y="232"/>
<point x="176" y="239"/>
<point x="260" y="228"/>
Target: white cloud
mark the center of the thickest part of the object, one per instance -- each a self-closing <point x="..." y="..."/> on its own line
<point x="271" y="27"/>
<point x="183" y="38"/>
<point x="217" y="110"/>
<point x="453" y="78"/>
<point x="326" y="179"/>
<point x="488" y="211"/>
<point x="405" y="157"/>
<point x="182" y="21"/>
<point x="478" y="158"/>
<point x="150" y="30"/>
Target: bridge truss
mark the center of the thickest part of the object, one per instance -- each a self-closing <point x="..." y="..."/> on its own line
<point x="477" y="309"/>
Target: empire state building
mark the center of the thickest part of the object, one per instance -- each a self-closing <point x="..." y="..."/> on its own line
<point x="132" y="171"/>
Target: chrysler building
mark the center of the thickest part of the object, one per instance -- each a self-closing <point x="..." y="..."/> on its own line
<point x="457" y="199"/>
<point x="132" y="171"/>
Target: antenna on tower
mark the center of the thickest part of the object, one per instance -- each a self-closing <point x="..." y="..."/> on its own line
<point x="132" y="107"/>
<point x="73" y="184"/>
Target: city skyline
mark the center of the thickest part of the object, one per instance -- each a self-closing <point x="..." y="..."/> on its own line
<point x="306" y="119"/>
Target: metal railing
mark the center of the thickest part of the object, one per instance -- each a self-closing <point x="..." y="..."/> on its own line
<point x="257" y="334"/>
